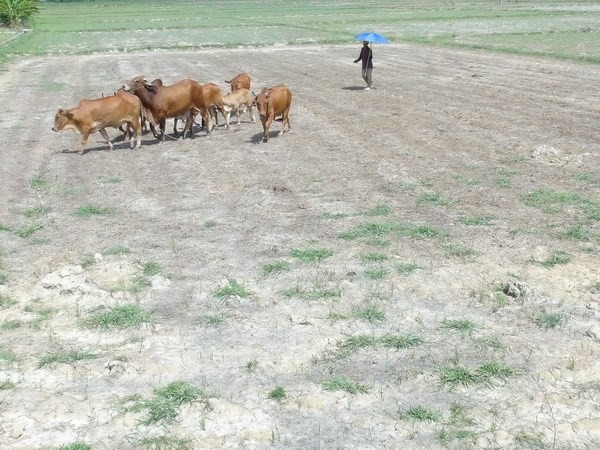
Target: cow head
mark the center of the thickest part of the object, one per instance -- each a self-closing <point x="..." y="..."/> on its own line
<point x="63" y="120"/>
<point x="138" y="83"/>
<point x="261" y="101"/>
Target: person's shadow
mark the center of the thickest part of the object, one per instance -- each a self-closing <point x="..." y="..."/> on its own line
<point x="353" y="88"/>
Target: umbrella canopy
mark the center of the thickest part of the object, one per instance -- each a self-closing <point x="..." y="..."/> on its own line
<point x="371" y="36"/>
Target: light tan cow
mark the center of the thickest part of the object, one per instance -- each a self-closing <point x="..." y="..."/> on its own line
<point x="91" y="115"/>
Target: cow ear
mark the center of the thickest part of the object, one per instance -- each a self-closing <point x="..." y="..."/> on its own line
<point x="267" y="94"/>
<point x="68" y="114"/>
<point x="151" y="87"/>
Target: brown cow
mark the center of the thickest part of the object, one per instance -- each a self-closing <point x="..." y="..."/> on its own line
<point x="271" y="103"/>
<point x="237" y="102"/>
<point x="162" y="102"/>
<point x="91" y="115"/>
<point x="240" y="81"/>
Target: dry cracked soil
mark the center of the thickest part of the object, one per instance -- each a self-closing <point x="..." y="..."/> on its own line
<point x="415" y="266"/>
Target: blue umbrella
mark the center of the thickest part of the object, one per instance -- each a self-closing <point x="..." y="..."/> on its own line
<point x="371" y="36"/>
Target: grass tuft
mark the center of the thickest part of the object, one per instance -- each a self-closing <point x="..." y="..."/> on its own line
<point x="456" y="374"/>
<point x="278" y="394"/>
<point x="122" y="316"/>
<point x="93" y="210"/>
<point x="151" y="268"/>
<point x="369" y="314"/>
<point x="341" y="383"/>
<point x="401" y="341"/>
<point x="27" y="230"/>
<point x="464" y="325"/>
<point x="233" y="289"/>
<point x="377" y="274"/>
<point x="276" y="267"/>
<point x="311" y="254"/>
<point x="374" y="257"/>
<point x="407" y="268"/>
<point x="6" y="301"/>
<point x="76" y="446"/>
<point x="557" y="258"/>
<point x="545" y="319"/>
<point x="69" y="357"/>
<point x="420" y="413"/>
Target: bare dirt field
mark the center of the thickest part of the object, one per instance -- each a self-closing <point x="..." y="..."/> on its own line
<point x="416" y="266"/>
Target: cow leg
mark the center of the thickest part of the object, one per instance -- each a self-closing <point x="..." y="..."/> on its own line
<point x="266" y="126"/>
<point x="239" y="116"/>
<point x="175" y="132"/>
<point x="105" y="136"/>
<point x="189" y="125"/>
<point x="224" y="114"/>
<point x="252" y="114"/>
<point x="285" y="118"/>
<point x="137" y="129"/>
<point x="85" y="134"/>
<point x="163" y="125"/>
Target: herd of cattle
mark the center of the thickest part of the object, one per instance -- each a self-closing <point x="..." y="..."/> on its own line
<point x="138" y="102"/>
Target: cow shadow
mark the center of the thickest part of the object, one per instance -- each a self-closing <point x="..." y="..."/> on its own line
<point x="353" y="88"/>
<point x="258" y="137"/>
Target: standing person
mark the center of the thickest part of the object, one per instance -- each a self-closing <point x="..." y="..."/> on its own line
<point x="366" y="55"/>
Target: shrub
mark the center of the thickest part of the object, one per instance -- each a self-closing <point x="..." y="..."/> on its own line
<point x="14" y="12"/>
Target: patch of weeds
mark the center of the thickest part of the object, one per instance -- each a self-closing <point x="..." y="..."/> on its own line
<point x="7" y="385"/>
<point x="407" y="268"/>
<point x="165" y="443"/>
<point x="117" y="250"/>
<point x="335" y="316"/>
<point x="341" y="383"/>
<point x="311" y="254"/>
<point x="316" y="294"/>
<point x="588" y="178"/>
<point x="38" y="183"/>
<point x="369" y="314"/>
<point x="88" y="261"/>
<point x="434" y="199"/>
<point x="212" y="320"/>
<point x="42" y="313"/>
<point x="295" y="291"/>
<point x="488" y="342"/>
<point x="7" y="356"/>
<point x="462" y="325"/>
<point x="278" y="394"/>
<point x="459" y="251"/>
<point x="209" y="224"/>
<point x="65" y="357"/>
<point x="401" y="341"/>
<point x="252" y="366"/>
<point x="420" y="413"/>
<point x="455" y="375"/>
<point x="111" y="180"/>
<point x="90" y="210"/>
<point x="377" y="274"/>
<point x="466" y="180"/>
<point x="379" y="210"/>
<point x="12" y="324"/>
<point x="370" y="229"/>
<point x="122" y="316"/>
<point x="5" y="228"/>
<point x="233" y="289"/>
<point x="335" y="216"/>
<point x="423" y="232"/>
<point x="552" y="201"/>
<point x="458" y="415"/>
<point x="374" y="257"/>
<point x="503" y="181"/>
<point x="276" y="267"/>
<point x="530" y="440"/>
<point x="477" y="220"/>
<point x="6" y="301"/>
<point x="557" y="258"/>
<point x="3" y="278"/>
<point x="76" y="446"/>
<point x="163" y="407"/>
<point x="447" y="437"/>
<point x="545" y="319"/>
<point x="494" y="369"/>
<point x="138" y="284"/>
<point x="27" y="230"/>
<point x="151" y="268"/>
<point x="378" y="242"/>
<point x="36" y="212"/>
<point x="354" y="343"/>
<point x="577" y="233"/>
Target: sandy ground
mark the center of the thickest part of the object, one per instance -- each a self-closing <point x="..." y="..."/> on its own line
<point x="440" y="158"/>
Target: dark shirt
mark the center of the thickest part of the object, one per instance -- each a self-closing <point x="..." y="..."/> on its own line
<point x="367" y="58"/>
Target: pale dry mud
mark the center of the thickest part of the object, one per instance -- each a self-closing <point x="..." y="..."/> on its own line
<point x="447" y="135"/>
